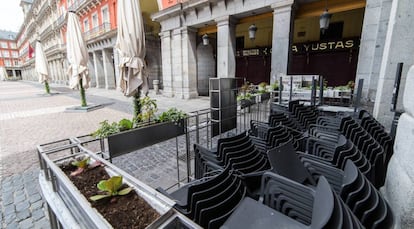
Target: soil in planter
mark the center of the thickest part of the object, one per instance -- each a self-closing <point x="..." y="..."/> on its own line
<point x="129" y="211"/>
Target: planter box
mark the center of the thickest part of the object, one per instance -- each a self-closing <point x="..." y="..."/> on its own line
<point x="247" y="102"/>
<point x="68" y="205"/>
<point x="131" y="140"/>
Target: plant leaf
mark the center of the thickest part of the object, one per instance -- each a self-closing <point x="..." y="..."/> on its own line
<point x="116" y="183"/>
<point x="98" y="197"/>
<point x="125" y="191"/>
<point x="102" y="186"/>
<point x="125" y="124"/>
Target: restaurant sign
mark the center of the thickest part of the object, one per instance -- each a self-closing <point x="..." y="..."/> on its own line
<point x="325" y="46"/>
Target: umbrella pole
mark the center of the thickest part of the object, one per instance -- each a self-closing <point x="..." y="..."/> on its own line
<point x="137" y="105"/>
<point x="82" y="92"/>
<point x="47" y="87"/>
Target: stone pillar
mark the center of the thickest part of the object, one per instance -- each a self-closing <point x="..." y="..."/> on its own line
<point x="177" y="63"/>
<point x="226" y="47"/>
<point x="166" y="52"/>
<point x="399" y="182"/>
<point x="189" y="55"/>
<point x="373" y="35"/>
<point x="91" y="69"/>
<point x="99" y="73"/>
<point x="116" y="66"/>
<point x="398" y="48"/>
<point x="108" y="69"/>
<point x="281" y="37"/>
<point x="51" y="72"/>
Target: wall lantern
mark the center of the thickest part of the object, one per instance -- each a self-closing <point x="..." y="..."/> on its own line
<point x="252" y="31"/>
<point x="205" y="38"/>
<point x="324" y="20"/>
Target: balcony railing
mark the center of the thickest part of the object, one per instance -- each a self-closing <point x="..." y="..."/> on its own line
<point x="46" y="31"/>
<point x="97" y="31"/>
<point x="60" y="21"/>
<point x="53" y="47"/>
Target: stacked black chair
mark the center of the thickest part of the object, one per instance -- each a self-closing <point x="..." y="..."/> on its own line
<point x="350" y="184"/>
<point x="304" y="115"/>
<point x="356" y="191"/>
<point x="317" y="207"/>
<point x="337" y="153"/>
<point x="266" y="137"/>
<point x="378" y="132"/>
<point x="365" y="143"/>
<point x="211" y="200"/>
<point x="240" y="155"/>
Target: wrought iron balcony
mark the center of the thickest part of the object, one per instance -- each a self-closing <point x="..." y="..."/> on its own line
<point x="84" y="5"/>
<point x="97" y="31"/>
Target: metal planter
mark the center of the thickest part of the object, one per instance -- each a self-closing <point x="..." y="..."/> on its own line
<point x="138" y="138"/>
<point x="68" y="208"/>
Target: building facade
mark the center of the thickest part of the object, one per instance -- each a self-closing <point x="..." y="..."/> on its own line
<point x="9" y="56"/>
<point x="360" y="42"/>
<point x="365" y="40"/>
<point x="45" y="20"/>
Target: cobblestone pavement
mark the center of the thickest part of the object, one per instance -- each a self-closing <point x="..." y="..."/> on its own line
<point x="28" y="118"/>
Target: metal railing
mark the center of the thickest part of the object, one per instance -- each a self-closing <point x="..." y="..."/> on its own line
<point x="97" y="31"/>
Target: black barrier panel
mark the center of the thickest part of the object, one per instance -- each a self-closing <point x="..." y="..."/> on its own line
<point x="131" y="140"/>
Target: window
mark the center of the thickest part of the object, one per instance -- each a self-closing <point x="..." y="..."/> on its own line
<point x="105" y="15"/>
<point x="7" y="63"/>
<point x="1" y="55"/>
<point x="16" y="63"/>
<point x="95" y="21"/>
<point x="15" y="54"/>
<point x="6" y="53"/>
<point x="85" y="25"/>
<point x="4" y="45"/>
<point x="13" y="45"/>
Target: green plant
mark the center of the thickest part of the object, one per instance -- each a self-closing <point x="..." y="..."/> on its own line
<point x="246" y="96"/>
<point x="148" y="109"/>
<point x="274" y="86"/>
<point x="351" y="84"/>
<point x="125" y="124"/>
<point x="111" y="187"/>
<point x="172" y="115"/>
<point x="106" y="129"/>
<point x="81" y="166"/>
<point x="263" y="84"/>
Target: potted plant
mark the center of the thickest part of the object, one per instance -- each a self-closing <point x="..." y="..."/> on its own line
<point x="147" y="129"/>
<point x="101" y="195"/>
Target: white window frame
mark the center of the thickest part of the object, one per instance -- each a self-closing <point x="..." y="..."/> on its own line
<point x="7" y="63"/>
<point x="86" y="25"/>
<point x="105" y="19"/>
<point x="4" y="45"/>
<point x="6" y="54"/>
<point x="95" y="20"/>
<point x="15" y="54"/>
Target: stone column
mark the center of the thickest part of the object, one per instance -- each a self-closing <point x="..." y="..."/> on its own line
<point x="281" y="37"/>
<point x="398" y="48"/>
<point x="189" y="55"/>
<point x="399" y="182"/>
<point x="108" y="69"/>
<point x="91" y="69"/>
<point x="166" y="52"/>
<point x="116" y="66"/>
<point x="99" y="73"/>
<point x="226" y="47"/>
<point x="371" y="49"/>
<point x="177" y="63"/>
<point x="51" y="72"/>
